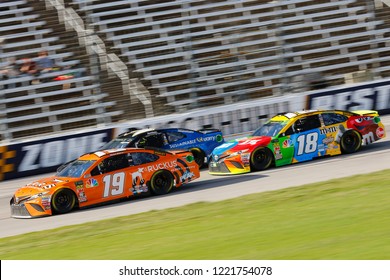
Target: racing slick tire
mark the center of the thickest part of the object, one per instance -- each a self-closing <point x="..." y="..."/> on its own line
<point x="161" y="182"/>
<point x="350" y="142"/>
<point x="199" y="156"/>
<point x="261" y="158"/>
<point x="63" y="201"/>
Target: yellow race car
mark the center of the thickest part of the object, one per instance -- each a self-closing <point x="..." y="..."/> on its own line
<point x="104" y="176"/>
<point x="296" y="137"/>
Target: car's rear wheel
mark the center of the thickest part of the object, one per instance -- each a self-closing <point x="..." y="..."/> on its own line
<point x="63" y="201"/>
<point x="199" y="156"/>
<point x="350" y="142"/>
<point x="261" y="158"/>
<point x="161" y="182"/>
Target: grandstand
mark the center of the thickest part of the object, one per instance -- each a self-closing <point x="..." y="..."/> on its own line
<point x="140" y="58"/>
<point x="29" y="108"/>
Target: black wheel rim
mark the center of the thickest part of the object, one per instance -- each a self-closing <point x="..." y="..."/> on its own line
<point x="350" y="143"/>
<point x="162" y="183"/>
<point x="63" y="202"/>
<point x="260" y="159"/>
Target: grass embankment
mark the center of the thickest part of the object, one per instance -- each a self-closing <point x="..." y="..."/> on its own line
<point x="339" y="219"/>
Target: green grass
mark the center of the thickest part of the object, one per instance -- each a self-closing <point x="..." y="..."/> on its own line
<point x="340" y="219"/>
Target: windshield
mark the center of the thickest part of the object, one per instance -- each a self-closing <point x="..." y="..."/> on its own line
<point x="269" y="129"/>
<point x="75" y="168"/>
<point x="117" y="143"/>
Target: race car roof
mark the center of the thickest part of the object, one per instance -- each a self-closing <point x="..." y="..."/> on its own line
<point x="290" y="115"/>
<point x="140" y="131"/>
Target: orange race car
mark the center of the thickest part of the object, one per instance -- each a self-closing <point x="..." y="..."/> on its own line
<point x="104" y="176"/>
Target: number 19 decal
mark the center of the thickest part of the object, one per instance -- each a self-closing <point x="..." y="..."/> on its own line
<point x="114" y="184"/>
<point x="307" y="143"/>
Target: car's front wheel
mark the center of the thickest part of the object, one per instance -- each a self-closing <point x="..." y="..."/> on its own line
<point x="350" y="142"/>
<point x="161" y="182"/>
<point x="63" y="201"/>
<point x="261" y="158"/>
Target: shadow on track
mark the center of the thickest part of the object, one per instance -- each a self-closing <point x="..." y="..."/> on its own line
<point x="215" y="182"/>
<point x="381" y="145"/>
<point x="218" y="181"/>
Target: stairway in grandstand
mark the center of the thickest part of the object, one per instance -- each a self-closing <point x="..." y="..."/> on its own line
<point x="29" y="108"/>
<point x="200" y="53"/>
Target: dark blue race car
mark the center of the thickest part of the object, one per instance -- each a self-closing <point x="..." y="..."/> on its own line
<point x="200" y="142"/>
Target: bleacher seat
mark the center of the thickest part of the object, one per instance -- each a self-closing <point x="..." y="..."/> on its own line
<point x="12" y="4"/>
<point x="39" y="104"/>
<point x="36" y="34"/>
<point x="182" y="47"/>
<point x="190" y="54"/>
<point x="16" y="11"/>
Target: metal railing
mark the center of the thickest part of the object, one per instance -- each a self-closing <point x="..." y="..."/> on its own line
<point x="108" y="61"/>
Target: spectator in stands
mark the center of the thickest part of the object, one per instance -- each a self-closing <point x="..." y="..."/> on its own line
<point x="10" y="70"/>
<point x="74" y="72"/>
<point x="28" y="67"/>
<point x="44" y="62"/>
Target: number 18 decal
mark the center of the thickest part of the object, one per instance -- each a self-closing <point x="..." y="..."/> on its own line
<point x="307" y="143"/>
<point x="114" y="184"/>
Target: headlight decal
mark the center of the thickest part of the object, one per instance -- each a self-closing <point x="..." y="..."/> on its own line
<point x="38" y="195"/>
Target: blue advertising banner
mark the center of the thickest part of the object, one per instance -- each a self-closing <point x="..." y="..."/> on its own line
<point x="369" y="96"/>
<point x="42" y="156"/>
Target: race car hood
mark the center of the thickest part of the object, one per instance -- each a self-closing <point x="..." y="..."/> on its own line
<point x="247" y="143"/>
<point x="38" y="186"/>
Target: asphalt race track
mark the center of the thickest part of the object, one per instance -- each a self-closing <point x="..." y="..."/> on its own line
<point x="371" y="158"/>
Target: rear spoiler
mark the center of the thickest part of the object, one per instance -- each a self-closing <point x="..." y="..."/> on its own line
<point x="366" y="112"/>
<point x="209" y="130"/>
